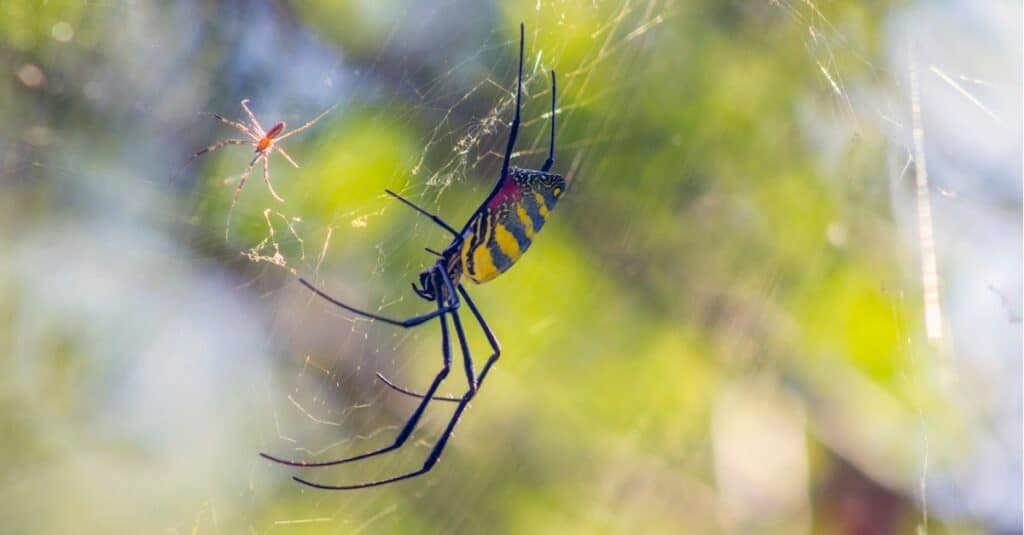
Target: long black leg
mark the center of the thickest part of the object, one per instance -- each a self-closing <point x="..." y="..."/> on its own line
<point x="491" y="338"/>
<point x="467" y="358"/>
<point x="410" y="424"/>
<point x="438" y="449"/>
<point x="435" y="455"/>
<point x="551" y="150"/>
<point x="406" y="391"/>
<point x="515" y="122"/>
<point x="411" y="322"/>
<point x="433" y="217"/>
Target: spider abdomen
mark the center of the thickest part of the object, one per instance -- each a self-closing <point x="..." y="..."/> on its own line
<point x="504" y="227"/>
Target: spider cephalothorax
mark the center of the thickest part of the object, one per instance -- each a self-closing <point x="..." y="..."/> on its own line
<point x="431" y="286"/>
<point x="494" y="237"/>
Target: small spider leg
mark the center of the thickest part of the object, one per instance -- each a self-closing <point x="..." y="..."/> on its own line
<point x="437" y="450"/>
<point x="245" y="176"/>
<point x="266" y="177"/>
<point x="491" y="339"/>
<point x="453" y="303"/>
<point x="216" y="146"/>
<point x="514" y="131"/>
<point x="285" y="154"/>
<point x="307" y="125"/>
<point x="436" y="219"/>
<point x="238" y="191"/>
<point x="252" y="117"/>
<point x="410" y="424"/>
<point x="236" y="124"/>
<point x="551" y="150"/>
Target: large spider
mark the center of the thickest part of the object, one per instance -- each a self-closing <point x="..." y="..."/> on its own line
<point x="496" y="235"/>
<point x="264" y="143"/>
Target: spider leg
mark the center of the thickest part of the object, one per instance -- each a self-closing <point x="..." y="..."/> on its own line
<point x="266" y="176"/>
<point x="514" y="131"/>
<point x="438" y="449"/>
<point x="252" y="117"/>
<point x="411" y="393"/>
<point x="307" y="125"/>
<point x="410" y="424"/>
<point x="216" y="146"/>
<point x="235" y="124"/>
<point x="467" y="357"/>
<point x="411" y="322"/>
<point x="285" y="154"/>
<point x="551" y="150"/>
<point x="241" y="182"/>
<point x="488" y="333"/>
<point x="435" y="455"/>
<point x="238" y="191"/>
<point x="433" y="217"/>
<point x="491" y="339"/>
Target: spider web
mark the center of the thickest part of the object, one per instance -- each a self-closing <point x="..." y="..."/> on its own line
<point x="335" y="405"/>
<point x="462" y="144"/>
<point x="676" y="356"/>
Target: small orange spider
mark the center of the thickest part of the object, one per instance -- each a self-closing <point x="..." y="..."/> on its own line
<point x="263" y="141"/>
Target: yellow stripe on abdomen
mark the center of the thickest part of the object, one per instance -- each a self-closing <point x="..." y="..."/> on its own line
<point x="492" y="255"/>
<point x="525" y="219"/>
<point x="484" y="268"/>
<point x="507" y="243"/>
<point x="542" y="205"/>
<point x="477" y="260"/>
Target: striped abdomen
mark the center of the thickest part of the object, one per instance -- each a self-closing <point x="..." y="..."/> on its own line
<point x="505" y="226"/>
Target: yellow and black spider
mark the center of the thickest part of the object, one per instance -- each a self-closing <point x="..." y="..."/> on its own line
<point x="496" y="235"/>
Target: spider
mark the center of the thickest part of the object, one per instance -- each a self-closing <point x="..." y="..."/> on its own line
<point x="494" y="237"/>
<point x="264" y="143"/>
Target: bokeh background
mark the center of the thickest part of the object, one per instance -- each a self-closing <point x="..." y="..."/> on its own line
<point x="783" y="293"/>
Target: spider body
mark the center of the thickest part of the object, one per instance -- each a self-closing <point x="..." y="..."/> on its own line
<point x="499" y="231"/>
<point x="264" y="144"/>
<point x="268" y="140"/>
<point x="494" y="237"/>
<point x="503" y="228"/>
